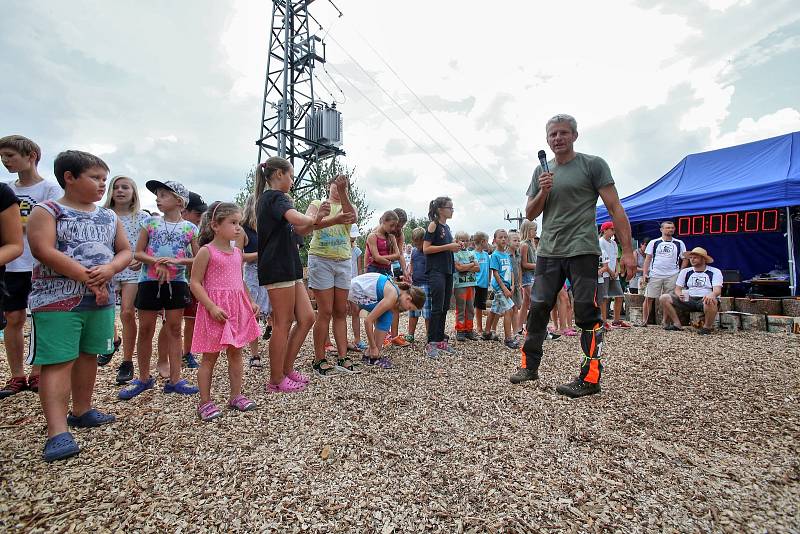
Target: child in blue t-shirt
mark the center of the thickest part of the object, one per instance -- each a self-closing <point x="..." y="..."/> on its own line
<point x="503" y="285"/>
<point x="481" y="241"/>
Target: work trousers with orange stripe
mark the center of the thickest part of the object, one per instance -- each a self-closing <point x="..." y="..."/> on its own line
<point x="465" y="308"/>
<point x="548" y="281"/>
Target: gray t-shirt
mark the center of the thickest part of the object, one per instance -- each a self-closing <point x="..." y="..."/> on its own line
<point x="569" y="217"/>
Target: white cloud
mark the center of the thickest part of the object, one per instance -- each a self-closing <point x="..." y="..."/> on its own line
<point x="781" y="122"/>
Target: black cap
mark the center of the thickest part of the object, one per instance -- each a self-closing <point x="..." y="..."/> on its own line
<point x="196" y="203"/>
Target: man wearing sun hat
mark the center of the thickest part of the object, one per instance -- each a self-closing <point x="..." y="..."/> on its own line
<point x="697" y="289"/>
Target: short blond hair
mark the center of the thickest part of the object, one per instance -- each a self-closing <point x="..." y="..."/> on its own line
<point x="461" y="236"/>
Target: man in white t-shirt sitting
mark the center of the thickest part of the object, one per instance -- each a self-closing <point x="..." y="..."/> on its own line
<point x="664" y="257"/>
<point x="697" y="289"/>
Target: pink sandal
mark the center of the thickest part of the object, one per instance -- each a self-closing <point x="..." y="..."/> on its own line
<point x="298" y="377"/>
<point x="287" y="385"/>
<point x="241" y="403"/>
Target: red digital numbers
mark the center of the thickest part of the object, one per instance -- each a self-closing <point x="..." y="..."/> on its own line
<point x="751" y="220"/>
<point x="731" y="223"/>
<point x="684" y="226"/>
<point x="769" y="220"/>
<point x="715" y="224"/>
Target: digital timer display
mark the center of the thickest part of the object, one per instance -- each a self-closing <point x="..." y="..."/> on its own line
<point x="768" y="220"/>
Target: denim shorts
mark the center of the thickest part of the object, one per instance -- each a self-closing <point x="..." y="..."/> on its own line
<point x="324" y="273"/>
<point x="501" y="303"/>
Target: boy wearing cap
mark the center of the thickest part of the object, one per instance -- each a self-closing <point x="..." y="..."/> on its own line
<point x="697" y="289"/>
<point x="166" y="247"/>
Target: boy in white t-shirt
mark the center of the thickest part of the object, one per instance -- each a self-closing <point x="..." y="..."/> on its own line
<point x="697" y="288"/>
<point x="21" y="155"/>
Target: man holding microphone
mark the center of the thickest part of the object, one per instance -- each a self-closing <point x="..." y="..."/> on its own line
<point x="565" y="192"/>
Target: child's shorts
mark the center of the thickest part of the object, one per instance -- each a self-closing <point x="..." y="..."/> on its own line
<point x="480" y="297"/>
<point x="384" y="322"/>
<point x="501" y="303"/>
<point x="18" y="286"/>
<point x="153" y="296"/>
<point x="60" y="336"/>
<point x="190" y="311"/>
<point x="425" y="312"/>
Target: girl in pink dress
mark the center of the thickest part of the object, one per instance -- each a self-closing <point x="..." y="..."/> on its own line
<point x="227" y="318"/>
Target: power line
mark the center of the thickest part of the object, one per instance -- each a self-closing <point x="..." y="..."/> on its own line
<point x="401" y="130"/>
<point x="424" y="105"/>
<point x="418" y="125"/>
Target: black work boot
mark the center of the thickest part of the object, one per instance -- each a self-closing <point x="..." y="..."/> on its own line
<point x="523" y="375"/>
<point x="578" y="388"/>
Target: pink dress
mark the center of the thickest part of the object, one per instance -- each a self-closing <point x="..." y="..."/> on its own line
<point x="225" y="286"/>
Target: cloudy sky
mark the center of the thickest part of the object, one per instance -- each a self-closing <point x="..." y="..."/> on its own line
<point x="173" y="90"/>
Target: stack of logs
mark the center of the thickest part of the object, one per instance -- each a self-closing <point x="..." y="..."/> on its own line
<point x="771" y="315"/>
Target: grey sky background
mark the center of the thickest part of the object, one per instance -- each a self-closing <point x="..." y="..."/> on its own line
<point x="172" y="90"/>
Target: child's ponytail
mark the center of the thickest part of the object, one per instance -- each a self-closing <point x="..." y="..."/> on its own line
<point x="433" y="207"/>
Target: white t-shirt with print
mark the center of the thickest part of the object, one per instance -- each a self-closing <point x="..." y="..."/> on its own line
<point x="603" y="259"/>
<point x="667" y="256"/>
<point x="29" y="197"/>
<point x="609" y="251"/>
<point x="699" y="283"/>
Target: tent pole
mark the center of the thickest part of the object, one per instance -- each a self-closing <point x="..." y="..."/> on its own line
<point x="790" y="243"/>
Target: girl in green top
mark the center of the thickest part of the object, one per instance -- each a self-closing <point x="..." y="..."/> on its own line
<point x="329" y="274"/>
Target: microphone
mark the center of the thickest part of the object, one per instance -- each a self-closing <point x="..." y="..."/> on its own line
<point x="543" y="160"/>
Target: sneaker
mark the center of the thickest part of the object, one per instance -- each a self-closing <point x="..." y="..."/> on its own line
<point x="105" y="359"/>
<point x="33" y="383"/>
<point x="608" y="327"/>
<point x="384" y="363"/>
<point x="703" y="331"/>
<point x="242" y="403"/>
<point x="136" y="387"/>
<point x="553" y="336"/>
<point x="431" y="351"/>
<point x="362" y="346"/>
<point x="461" y="337"/>
<point x="570" y="332"/>
<point x="578" y="388"/>
<point x="524" y="375"/>
<point x="14" y="385"/>
<point x="640" y="325"/>
<point x="329" y="348"/>
<point x="125" y="372"/>
<point x="620" y="324"/>
<point x="472" y="336"/>
<point x="255" y="362"/>
<point x="189" y="361"/>
<point x="400" y="341"/>
<point x="208" y="411"/>
<point x="673" y="328"/>
<point x="445" y="347"/>
<point x="512" y="344"/>
<point x="92" y="418"/>
<point x="324" y="368"/>
<point x="410" y="338"/>
<point x="181" y="387"/>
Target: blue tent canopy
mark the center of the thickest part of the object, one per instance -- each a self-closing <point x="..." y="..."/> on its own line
<point x="759" y="175"/>
<point x="762" y="174"/>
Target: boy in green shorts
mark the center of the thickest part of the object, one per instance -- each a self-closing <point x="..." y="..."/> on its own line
<point x="77" y="248"/>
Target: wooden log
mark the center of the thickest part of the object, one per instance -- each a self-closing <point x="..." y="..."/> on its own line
<point x="753" y="323"/>
<point x="633" y="301"/>
<point x="726" y="304"/>
<point x="791" y="307"/>
<point x="780" y="323"/>
<point x="759" y="306"/>
<point x="635" y="315"/>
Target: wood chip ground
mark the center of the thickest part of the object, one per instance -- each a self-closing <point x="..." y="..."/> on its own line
<point x="690" y="434"/>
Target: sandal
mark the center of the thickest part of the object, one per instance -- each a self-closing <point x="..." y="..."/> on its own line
<point x="33" y="383"/>
<point x="299" y="377"/>
<point x="287" y="385"/>
<point x="241" y="403"/>
<point x="348" y="365"/>
<point x="255" y="362"/>
<point x="208" y="411"/>
<point x="181" y="387"/>
<point x="59" y="447"/>
<point x="90" y="419"/>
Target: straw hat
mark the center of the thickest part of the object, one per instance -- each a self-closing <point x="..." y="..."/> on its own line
<point x="700" y="251"/>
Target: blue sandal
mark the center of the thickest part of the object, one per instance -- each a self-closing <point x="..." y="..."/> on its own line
<point x="90" y="419"/>
<point x="136" y="387"/>
<point x="181" y="386"/>
<point x="59" y="447"/>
